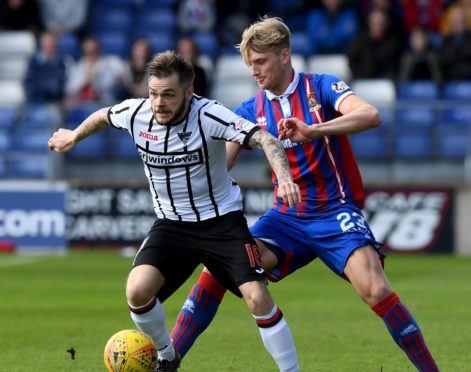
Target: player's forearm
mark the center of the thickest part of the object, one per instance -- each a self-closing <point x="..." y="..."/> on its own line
<point x="359" y="120"/>
<point x="95" y="123"/>
<point x="275" y="154"/>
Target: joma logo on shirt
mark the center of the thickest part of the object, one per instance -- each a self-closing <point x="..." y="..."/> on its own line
<point x="149" y="136"/>
<point x="168" y="160"/>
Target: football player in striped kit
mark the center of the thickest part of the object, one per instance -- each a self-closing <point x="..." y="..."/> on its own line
<point x="311" y="114"/>
<point x="181" y="139"/>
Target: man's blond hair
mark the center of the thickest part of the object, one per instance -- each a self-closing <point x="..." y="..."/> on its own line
<point x="267" y="34"/>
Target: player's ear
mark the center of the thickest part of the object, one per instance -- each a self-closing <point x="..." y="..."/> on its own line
<point x="285" y="55"/>
<point x="189" y="92"/>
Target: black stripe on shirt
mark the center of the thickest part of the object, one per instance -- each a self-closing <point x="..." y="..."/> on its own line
<point x="153" y="184"/>
<point x="133" y="116"/>
<point x="219" y="120"/>
<point x="206" y="159"/>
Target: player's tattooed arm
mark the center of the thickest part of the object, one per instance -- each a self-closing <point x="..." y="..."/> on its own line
<point x="276" y="156"/>
<point x="64" y="140"/>
<point x="95" y="123"/>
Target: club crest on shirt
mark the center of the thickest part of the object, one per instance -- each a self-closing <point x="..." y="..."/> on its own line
<point x="239" y="124"/>
<point x="339" y="86"/>
<point x="312" y="102"/>
<point x="184" y="136"/>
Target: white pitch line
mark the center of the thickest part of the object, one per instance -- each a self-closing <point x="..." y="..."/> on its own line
<point x="16" y="260"/>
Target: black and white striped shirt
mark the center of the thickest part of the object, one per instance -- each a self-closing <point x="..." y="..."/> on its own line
<point x="186" y="163"/>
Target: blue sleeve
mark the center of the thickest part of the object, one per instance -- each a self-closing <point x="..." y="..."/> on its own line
<point x="247" y="110"/>
<point x="332" y="90"/>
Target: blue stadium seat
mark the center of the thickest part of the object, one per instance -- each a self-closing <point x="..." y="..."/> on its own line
<point x="386" y="116"/>
<point x="94" y="146"/>
<point x="77" y="114"/>
<point x="5" y="140"/>
<point x="207" y="42"/>
<point x="116" y="43"/>
<point x="161" y="41"/>
<point x="457" y="90"/>
<point x="161" y="3"/>
<point x="7" y="117"/>
<point x="3" y="166"/>
<point x="31" y="139"/>
<point x="456" y="115"/>
<point x="40" y="116"/>
<point x="414" y="115"/>
<point x="296" y="22"/>
<point x="412" y="142"/>
<point x="120" y="3"/>
<point x="155" y="19"/>
<point x="453" y="141"/>
<point x="111" y="19"/>
<point x="69" y="44"/>
<point x="123" y="146"/>
<point x="301" y="43"/>
<point x="28" y="165"/>
<point x="370" y="145"/>
<point x="420" y="90"/>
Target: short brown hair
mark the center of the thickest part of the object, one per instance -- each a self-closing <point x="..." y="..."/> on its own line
<point x="267" y="34"/>
<point x="169" y="62"/>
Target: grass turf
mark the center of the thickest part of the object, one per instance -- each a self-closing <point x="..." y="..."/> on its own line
<point x="52" y="303"/>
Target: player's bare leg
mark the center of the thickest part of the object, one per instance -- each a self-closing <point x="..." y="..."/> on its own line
<point x="202" y="304"/>
<point x="143" y="283"/>
<point x="365" y="272"/>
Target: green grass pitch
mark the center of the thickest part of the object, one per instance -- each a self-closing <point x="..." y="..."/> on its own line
<point x="49" y="304"/>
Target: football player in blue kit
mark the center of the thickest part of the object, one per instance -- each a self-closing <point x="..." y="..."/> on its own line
<point x="311" y="114"/>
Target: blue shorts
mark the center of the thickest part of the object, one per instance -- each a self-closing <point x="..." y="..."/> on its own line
<point x="332" y="236"/>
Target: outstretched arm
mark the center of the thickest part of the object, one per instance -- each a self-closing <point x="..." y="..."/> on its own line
<point x="276" y="156"/>
<point x="357" y="116"/>
<point x="64" y="140"/>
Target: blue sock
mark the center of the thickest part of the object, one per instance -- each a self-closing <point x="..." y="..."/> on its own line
<point x="197" y="312"/>
<point x="405" y="331"/>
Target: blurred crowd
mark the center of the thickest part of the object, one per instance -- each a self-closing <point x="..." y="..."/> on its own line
<point x="396" y="39"/>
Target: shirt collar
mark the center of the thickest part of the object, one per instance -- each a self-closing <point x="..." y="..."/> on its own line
<point x="290" y="90"/>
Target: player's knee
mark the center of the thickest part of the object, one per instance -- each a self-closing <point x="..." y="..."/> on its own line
<point x="377" y="293"/>
<point x="138" y="295"/>
<point x="258" y="300"/>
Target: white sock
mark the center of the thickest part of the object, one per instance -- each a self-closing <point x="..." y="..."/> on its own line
<point x="279" y="341"/>
<point x="152" y="323"/>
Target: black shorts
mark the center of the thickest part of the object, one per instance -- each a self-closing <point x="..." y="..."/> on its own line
<point x="223" y="244"/>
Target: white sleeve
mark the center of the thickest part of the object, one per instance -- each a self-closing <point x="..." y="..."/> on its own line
<point x="118" y="115"/>
<point x="224" y="124"/>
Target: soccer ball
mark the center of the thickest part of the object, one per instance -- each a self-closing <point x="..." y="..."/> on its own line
<point x="130" y="351"/>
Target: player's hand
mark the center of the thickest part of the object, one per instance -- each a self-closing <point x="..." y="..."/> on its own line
<point x="290" y="193"/>
<point x="62" y="141"/>
<point x="295" y="129"/>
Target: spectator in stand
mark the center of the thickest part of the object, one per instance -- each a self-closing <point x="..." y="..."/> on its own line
<point x="135" y="84"/>
<point x="18" y="15"/>
<point x="188" y="49"/>
<point x="375" y="51"/>
<point x="196" y="16"/>
<point x="46" y="75"/>
<point x="426" y="14"/>
<point x="94" y="77"/>
<point x="420" y="62"/>
<point x="62" y="16"/>
<point x="455" y="53"/>
<point x="332" y="26"/>
<point x="392" y="8"/>
<point x="457" y="6"/>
